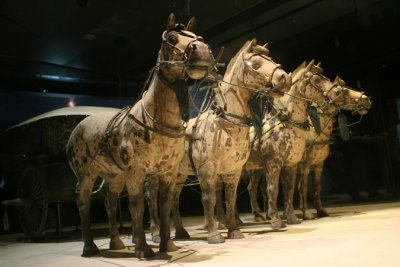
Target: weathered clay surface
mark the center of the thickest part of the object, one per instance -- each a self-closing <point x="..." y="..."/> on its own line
<point x="220" y="143"/>
<point x="283" y="139"/>
<point x="318" y="145"/>
<point x="146" y="138"/>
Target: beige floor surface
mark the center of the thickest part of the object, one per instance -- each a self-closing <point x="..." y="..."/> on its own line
<point x="354" y="235"/>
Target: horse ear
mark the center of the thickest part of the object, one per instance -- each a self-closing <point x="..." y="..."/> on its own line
<point x="191" y="26"/>
<point x="336" y="79"/>
<point x="171" y="22"/>
<point x="310" y="65"/>
<point x="251" y="45"/>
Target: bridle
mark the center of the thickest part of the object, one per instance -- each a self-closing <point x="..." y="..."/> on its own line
<point x="179" y="86"/>
<point x="249" y="73"/>
<point x="167" y="48"/>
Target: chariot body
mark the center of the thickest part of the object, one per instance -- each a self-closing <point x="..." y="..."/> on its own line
<point x="34" y="166"/>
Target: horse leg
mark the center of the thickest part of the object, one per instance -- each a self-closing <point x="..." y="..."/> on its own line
<point x="272" y="172"/>
<point x="83" y="200"/>
<point x="135" y="186"/>
<point x="219" y="207"/>
<point x="252" y="187"/>
<point x="288" y="176"/>
<point x="303" y="173"/>
<point x="231" y="183"/>
<point x="321" y="212"/>
<point x="114" y="189"/>
<point x="166" y="189"/>
<point x="208" y="182"/>
<point x="151" y="196"/>
<point x="180" y="231"/>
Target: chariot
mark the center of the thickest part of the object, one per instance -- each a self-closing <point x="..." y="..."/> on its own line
<point x="34" y="165"/>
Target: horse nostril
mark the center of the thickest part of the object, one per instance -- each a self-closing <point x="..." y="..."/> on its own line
<point x="194" y="47"/>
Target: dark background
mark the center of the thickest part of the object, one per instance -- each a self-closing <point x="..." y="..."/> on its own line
<point x="100" y="52"/>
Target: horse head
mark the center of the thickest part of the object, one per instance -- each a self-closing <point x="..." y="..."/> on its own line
<point x="259" y="72"/>
<point x="314" y="86"/>
<point x="350" y="99"/>
<point x="183" y="53"/>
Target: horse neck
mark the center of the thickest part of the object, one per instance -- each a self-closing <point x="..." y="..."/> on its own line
<point x="160" y="101"/>
<point x="296" y="104"/>
<point x="326" y="122"/>
<point x="237" y="97"/>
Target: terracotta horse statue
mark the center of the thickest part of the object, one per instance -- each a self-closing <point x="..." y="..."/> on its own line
<point x="145" y="138"/>
<point x="220" y="143"/>
<point x="318" y="144"/>
<point x="283" y="139"/>
<point x="317" y="148"/>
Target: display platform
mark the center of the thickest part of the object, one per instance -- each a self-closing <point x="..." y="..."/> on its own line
<point x="354" y="235"/>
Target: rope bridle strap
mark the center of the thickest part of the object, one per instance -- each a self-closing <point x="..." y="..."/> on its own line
<point x="254" y="74"/>
<point x="179" y="86"/>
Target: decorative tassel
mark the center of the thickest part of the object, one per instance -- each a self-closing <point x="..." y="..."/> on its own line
<point x="313" y="114"/>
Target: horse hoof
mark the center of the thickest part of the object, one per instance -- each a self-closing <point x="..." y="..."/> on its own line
<point x="168" y="246"/>
<point x="259" y="218"/>
<point x="156" y="238"/>
<point x="117" y="244"/>
<point x="292" y="219"/>
<point x="277" y="223"/>
<point x="235" y="234"/>
<point x="322" y="213"/>
<point x="90" y="250"/>
<point x="308" y="216"/>
<point x="215" y="239"/>
<point x="181" y="234"/>
<point x="145" y="252"/>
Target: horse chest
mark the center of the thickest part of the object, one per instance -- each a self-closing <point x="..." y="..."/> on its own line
<point x="227" y="146"/>
<point x="284" y="143"/>
<point x="317" y="154"/>
<point x="153" y="154"/>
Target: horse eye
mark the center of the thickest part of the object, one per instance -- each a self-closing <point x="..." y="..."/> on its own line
<point x="256" y="64"/>
<point x="172" y="39"/>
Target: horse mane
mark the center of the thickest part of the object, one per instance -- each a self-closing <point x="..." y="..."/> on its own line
<point x="299" y="68"/>
<point x="281" y="102"/>
<point x="234" y="59"/>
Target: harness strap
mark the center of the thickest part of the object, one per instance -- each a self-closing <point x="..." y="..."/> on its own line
<point x="301" y="125"/>
<point x="158" y="131"/>
<point x="243" y="123"/>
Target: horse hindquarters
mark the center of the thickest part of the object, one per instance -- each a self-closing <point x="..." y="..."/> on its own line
<point x="180" y="231"/>
<point x="231" y="183"/>
<point x="272" y="172"/>
<point x="252" y="188"/>
<point x="151" y="196"/>
<point x="86" y="175"/>
<point x="303" y="173"/>
<point x="114" y="189"/>
<point x="317" y="171"/>
<point x="288" y="177"/>
<point x="208" y="182"/>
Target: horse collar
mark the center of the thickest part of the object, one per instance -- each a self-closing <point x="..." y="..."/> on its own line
<point x="181" y="92"/>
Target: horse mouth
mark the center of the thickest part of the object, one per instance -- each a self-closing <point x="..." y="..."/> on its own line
<point x="278" y="92"/>
<point x="197" y="71"/>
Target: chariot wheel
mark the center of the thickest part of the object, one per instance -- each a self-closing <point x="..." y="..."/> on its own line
<point x="32" y="191"/>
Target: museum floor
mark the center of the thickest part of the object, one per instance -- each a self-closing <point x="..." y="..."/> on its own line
<point x="354" y="235"/>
